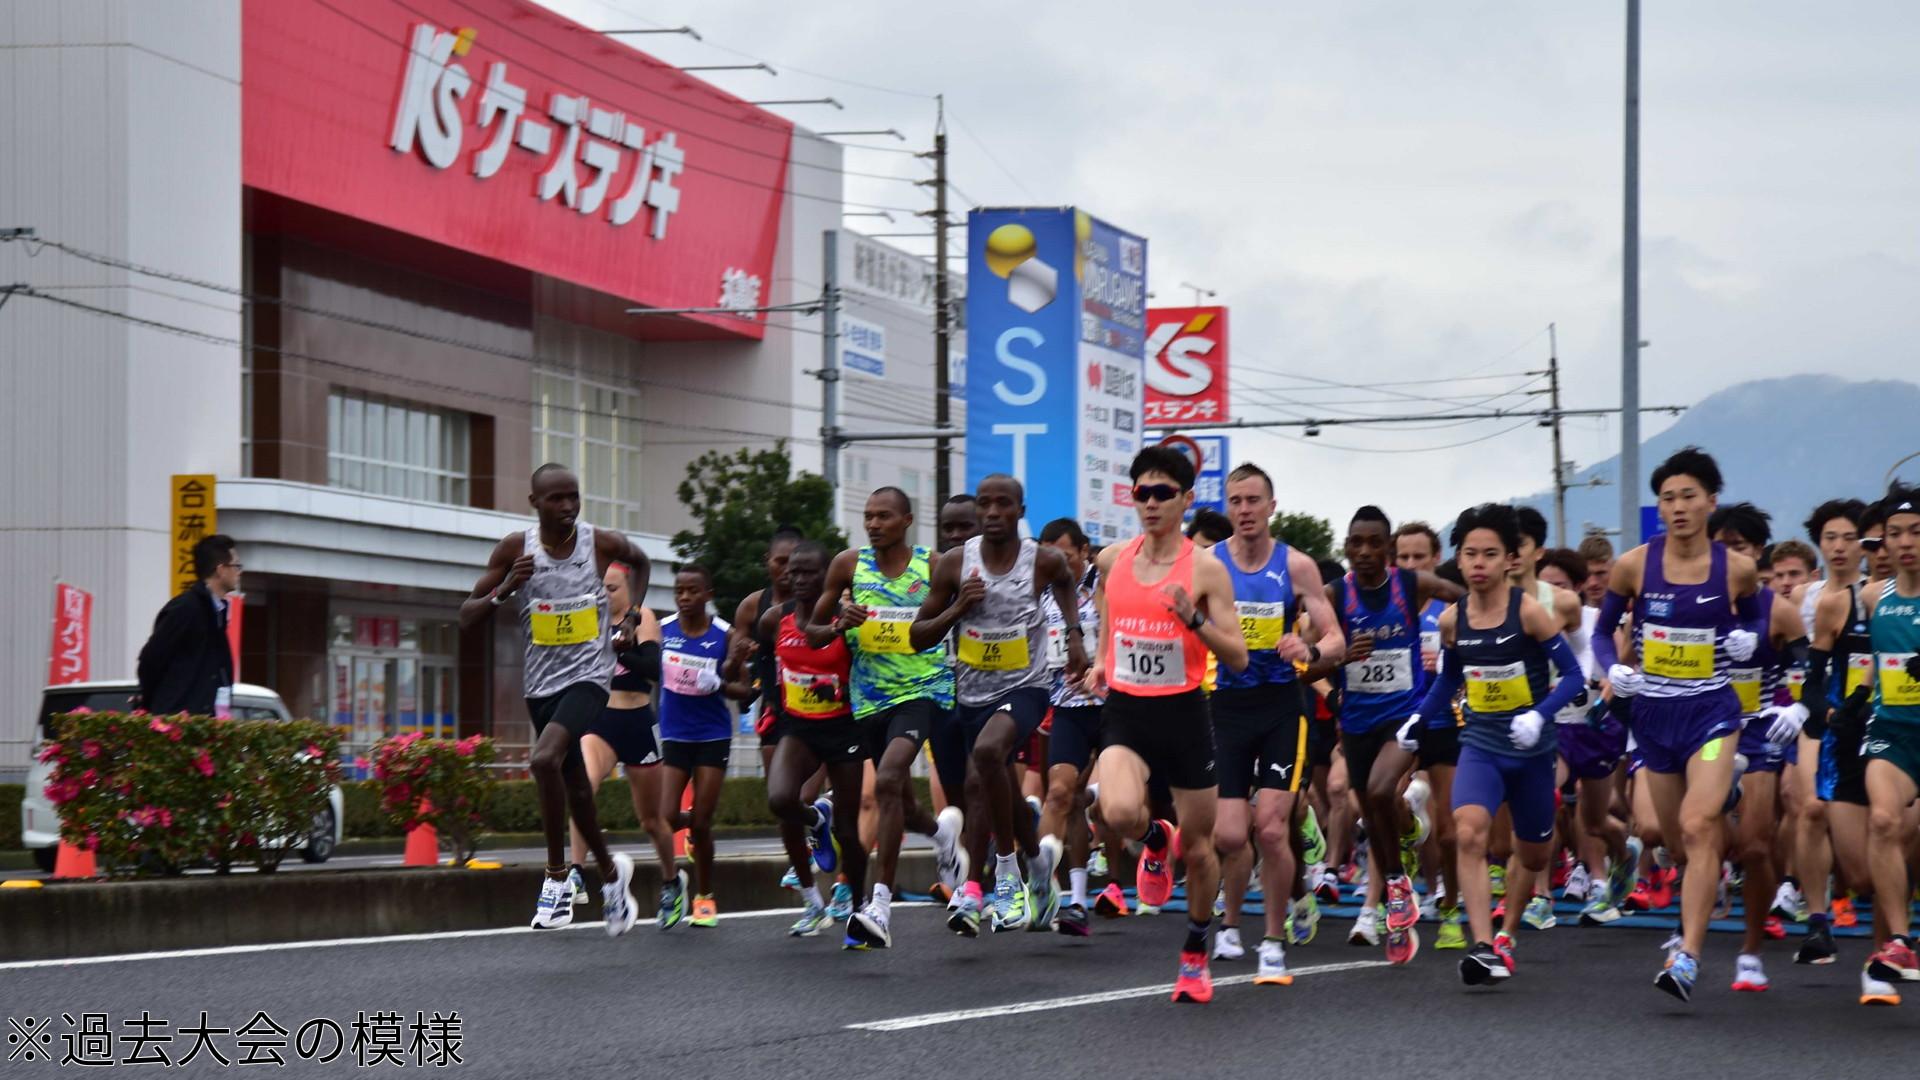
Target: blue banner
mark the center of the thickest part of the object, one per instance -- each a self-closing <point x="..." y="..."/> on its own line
<point x="1210" y="482"/>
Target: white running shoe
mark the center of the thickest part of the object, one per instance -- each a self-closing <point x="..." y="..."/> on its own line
<point x="579" y="886"/>
<point x="616" y="897"/>
<point x="1366" y="929"/>
<point x="1790" y="903"/>
<point x="1226" y="944"/>
<point x="1748" y="975"/>
<point x="1273" y="966"/>
<point x="946" y="842"/>
<point x="555" y="908"/>
<point x="1579" y="883"/>
<point x="871" y="925"/>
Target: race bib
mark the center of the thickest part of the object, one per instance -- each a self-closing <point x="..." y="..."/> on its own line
<point x="1056" y="647"/>
<point x="1499" y="688"/>
<point x="1673" y="652"/>
<point x="1387" y="671"/>
<point x="564" y="622"/>
<point x="994" y="648"/>
<point x="1147" y="662"/>
<point x="1261" y="624"/>
<point x="888" y="630"/>
<point x="1796" y="683"/>
<point x="1896" y="686"/>
<point x="809" y="695"/>
<point x="1746" y="683"/>
<point x="1859" y="672"/>
<point x="680" y="673"/>
<point x="1430" y="643"/>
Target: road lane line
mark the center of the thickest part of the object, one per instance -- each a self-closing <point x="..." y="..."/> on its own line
<point x="907" y="1023"/>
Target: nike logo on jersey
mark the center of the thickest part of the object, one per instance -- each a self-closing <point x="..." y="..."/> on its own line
<point x="1504" y="640"/>
<point x="1706" y="599"/>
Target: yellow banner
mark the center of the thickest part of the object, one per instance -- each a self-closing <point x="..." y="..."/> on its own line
<point x="194" y="517"/>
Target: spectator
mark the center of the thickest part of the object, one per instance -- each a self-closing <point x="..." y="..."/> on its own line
<point x="186" y="664"/>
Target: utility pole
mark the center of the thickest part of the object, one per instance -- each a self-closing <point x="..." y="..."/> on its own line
<point x="942" y="317"/>
<point x="830" y="365"/>
<point x="1630" y="299"/>
<point x="1559" y="464"/>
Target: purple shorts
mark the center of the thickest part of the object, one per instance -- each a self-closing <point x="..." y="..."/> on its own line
<point x="1593" y="751"/>
<point x="1669" y="731"/>
<point x="1763" y="756"/>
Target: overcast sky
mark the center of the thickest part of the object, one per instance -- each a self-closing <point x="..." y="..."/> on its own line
<point x="1411" y="191"/>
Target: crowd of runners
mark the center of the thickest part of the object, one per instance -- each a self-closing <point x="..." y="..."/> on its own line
<point x="1448" y="733"/>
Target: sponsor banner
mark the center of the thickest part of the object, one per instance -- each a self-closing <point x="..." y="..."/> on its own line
<point x="194" y="516"/>
<point x="70" y="660"/>
<point x="1186" y="365"/>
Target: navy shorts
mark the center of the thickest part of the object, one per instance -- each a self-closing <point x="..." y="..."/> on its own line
<point x="1486" y="779"/>
<point x="1076" y="735"/>
<point x="1763" y="756"/>
<point x="1669" y="731"/>
<point x="949" y="749"/>
<point x="629" y="732"/>
<point x="1594" y="747"/>
<point x="1027" y="705"/>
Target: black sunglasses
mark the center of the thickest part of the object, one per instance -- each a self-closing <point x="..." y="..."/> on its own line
<point x="1872" y="543"/>
<point x="1155" y="493"/>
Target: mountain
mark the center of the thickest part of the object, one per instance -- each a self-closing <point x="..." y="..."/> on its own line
<point x="1786" y="445"/>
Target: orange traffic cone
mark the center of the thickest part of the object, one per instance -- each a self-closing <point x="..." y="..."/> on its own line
<point x="423" y="842"/>
<point x="73" y="862"/>
<point x="680" y="835"/>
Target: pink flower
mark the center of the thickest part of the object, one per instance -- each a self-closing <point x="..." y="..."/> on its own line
<point x="313" y="750"/>
<point x="203" y="762"/>
<point x="50" y="752"/>
<point x="80" y="710"/>
<point x="160" y="726"/>
<point x="89" y="749"/>
<point x="223" y="802"/>
<point x="91" y="842"/>
<point x="360" y="763"/>
<point x="89" y="778"/>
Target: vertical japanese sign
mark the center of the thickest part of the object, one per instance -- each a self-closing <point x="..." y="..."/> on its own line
<point x="1186" y="365"/>
<point x="863" y="347"/>
<point x="1056" y="311"/>
<point x="69" y="660"/>
<point x="1210" y="480"/>
<point x="194" y="517"/>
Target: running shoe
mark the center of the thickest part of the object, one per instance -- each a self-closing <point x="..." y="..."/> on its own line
<point x="1417" y="828"/>
<point x="1482" y="965"/>
<point x="1327" y="888"/>
<point x="1073" y="922"/>
<point x="840" y="904"/>
<point x="616" y="897"/>
<point x="811" y="921"/>
<point x="965" y="919"/>
<point x="1500" y="911"/>
<point x="1775" y="929"/>
<point x="1562" y="871"/>
<point x="1894" y="962"/>
<point x="1599" y="910"/>
<point x="706" y="913"/>
<point x="791" y="880"/>
<point x="1678" y="976"/>
<point x="1273" y="965"/>
<point x="673" y="902"/>
<point x="1579" y="883"/>
<point x="1451" y="935"/>
<point x="1660" y="893"/>
<point x="1789" y="902"/>
<point x="1723" y="899"/>
<point x="826" y="847"/>
<point x="1430" y="907"/>
<point x="950" y="855"/>
<point x="1303" y="920"/>
<point x="1497" y="878"/>
<point x="870" y="927"/>
<point x="1503" y="944"/>
<point x="940" y="893"/>
<point x="1153" y="881"/>
<point x="1194" y="983"/>
<point x="555" y="908"/>
<point x="1112" y="902"/>
<point x="1010" y="910"/>
<point x="1403" y="908"/>
<point x="1641" y="898"/>
<point x="1033" y="801"/>
<point x="1876" y="992"/>
<point x="578" y="884"/>
<point x="1043" y="892"/>
<point x="1748" y="976"/>
<point x="1620" y="875"/>
<point x="1226" y="944"/>
<point x="1818" y="948"/>
<point x="1220" y="901"/>
<point x="1539" y="914"/>
<point x="1843" y="913"/>
<point x="1402" y="945"/>
<point x="1366" y="929"/>
<point x="1097" y="865"/>
<point x="1313" y="842"/>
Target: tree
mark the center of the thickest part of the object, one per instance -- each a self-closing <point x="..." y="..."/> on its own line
<point x="1311" y="535"/>
<point x="738" y="499"/>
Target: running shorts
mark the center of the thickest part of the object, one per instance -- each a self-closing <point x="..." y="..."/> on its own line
<point x="1525" y="784"/>
<point x="910" y="720"/>
<point x="1259" y="738"/>
<point x="688" y="756"/>
<point x="1670" y="731"/>
<point x="1076" y="734"/>
<point x="1172" y="734"/>
<point x="1593" y="750"/>
<point x="1762" y="755"/>
<point x="1440" y="746"/>
<point x="833" y="742"/>
<point x="629" y="732"/>
<point x="1896" y="743"/>
<point x="1027" y="705"/>
<point x="1842" y="772"/>
<point x="1362" y="750"/>
<point x="574" y="709"/>
<point x="949" y="750"/>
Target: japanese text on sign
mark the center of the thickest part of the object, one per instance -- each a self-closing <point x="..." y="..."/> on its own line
<point x="194" y="518"/>
<point x="370" y="1039"/>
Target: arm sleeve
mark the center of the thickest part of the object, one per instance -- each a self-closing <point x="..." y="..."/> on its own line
<point x="1446" y="683"/>
<point x="1813" y="694"/>
<point x="1613" y="607"/>
<point x="643" y="660"/>
<point x="1572" y="680"/>
<point x="1754" y="616"/>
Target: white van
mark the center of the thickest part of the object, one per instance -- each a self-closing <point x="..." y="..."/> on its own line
<point x="40" y="824"/>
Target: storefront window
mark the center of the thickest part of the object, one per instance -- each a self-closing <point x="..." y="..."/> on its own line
<point x="392" y="676"/>
<point x="594" y="429"/>
<point x="396" y="448"/>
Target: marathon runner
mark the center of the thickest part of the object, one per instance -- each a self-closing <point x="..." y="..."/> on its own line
<point x="1076" y="724"/>
<point x="1161" y="610"/>
<point x="1697" y="613"/>
<point x="1598" y="555"/>
<point x="1498" y="641"/>
<point x="1416" y="547"/>
<point x="959" y="523"/>
<point x="556" y="572"/>
<point x="988" y="594"/>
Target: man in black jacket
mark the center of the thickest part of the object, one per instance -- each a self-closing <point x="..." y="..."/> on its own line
<point x="186" y="665"/>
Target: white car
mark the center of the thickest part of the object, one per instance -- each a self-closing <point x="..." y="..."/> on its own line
<point x="40" y="824"/>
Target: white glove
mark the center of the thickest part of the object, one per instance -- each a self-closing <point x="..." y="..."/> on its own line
<point x="707" y="682"/>
<point x="1785" y="722"/>
<point x="1625" y="680"/>
<point x="1525" y="729"/>
<point x="1409" y="735"/>
<point x="1741" y="644"/>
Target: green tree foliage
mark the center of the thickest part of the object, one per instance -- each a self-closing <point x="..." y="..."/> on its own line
<point x="737" y="500"/>
<point x="1309" y="534"/>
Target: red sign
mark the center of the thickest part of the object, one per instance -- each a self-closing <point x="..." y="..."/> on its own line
<point x="70" y="659"/>
<point x="498" y="128"/>
<point x="1186" y="365"/>
<point x="236" y="614"/>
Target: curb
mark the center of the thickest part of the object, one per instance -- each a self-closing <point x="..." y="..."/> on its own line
<point x="75" y="919"/>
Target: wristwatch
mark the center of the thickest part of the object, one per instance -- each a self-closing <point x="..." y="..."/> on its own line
<point x="1196" y="621"/>
<point x="1313" y="652"/>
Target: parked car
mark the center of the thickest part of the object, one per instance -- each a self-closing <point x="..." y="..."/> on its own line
<point x="40" y="823"/>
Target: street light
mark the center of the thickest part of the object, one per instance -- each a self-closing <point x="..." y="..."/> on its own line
<point x="768" y="68"/>
<point x="1198" y="292"/>
<point x="867" y="213"/>
<point x="801" y="101"/>
<point x="883" y="131"/>
<point x="687" y="30"/>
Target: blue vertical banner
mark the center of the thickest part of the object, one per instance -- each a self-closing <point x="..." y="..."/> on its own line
<point x="1056" y="321"/>
<point x="1210" y="480"/>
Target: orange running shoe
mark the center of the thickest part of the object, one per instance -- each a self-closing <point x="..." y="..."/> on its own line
<point x="1112" y="902"/>
<point x="706" y="913"/>
<point x="1195" y="983"/>
<point x="1660" y="888"/>
<point x="1153" y="880"/>
<point x="1843" y="914"/>
<point x="1774" y="928"/>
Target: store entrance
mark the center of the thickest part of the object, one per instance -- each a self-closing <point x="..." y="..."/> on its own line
<point x="392" y="676"/>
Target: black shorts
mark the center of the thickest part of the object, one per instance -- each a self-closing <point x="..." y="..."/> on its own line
<point x="1172" y="734"/>
<point x="1027" y="705"/>
<point x="834" y="741"/>
<point x="770" y="735"/>
<point x="1362" y="750"/>
<point x="688" y="756"/>
<point x="1259" y="738"/>
<point x="1322" y="737"/>
<point x="911" y="720"/>
<point x="1076" y="734"/>
<point x="574" y="709"/>
<point x="1439" y="746"/>
<point x="629" y="732"/>
<point x="949" y="749"/>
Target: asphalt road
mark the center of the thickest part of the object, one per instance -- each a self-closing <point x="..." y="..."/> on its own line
<point x="744" y="1000"/>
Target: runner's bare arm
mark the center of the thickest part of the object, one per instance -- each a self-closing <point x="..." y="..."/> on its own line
<point x="507" y="569"/>
<point x="1313" y="595"/>
<point x="1220" y="631"/>
<point x="611" y="546"/>
<point x="839" y="583"/>
<point x="1787" y="624"/>
<point x="1052" y="572"/>
<point x="1566" y="606"/>
<point x="1434" y="587"/>
<point x="1623" y="585"/>
<point x="1094" y="683"/>
<point x="743" y="622"/>
<point x="944" y="604"/>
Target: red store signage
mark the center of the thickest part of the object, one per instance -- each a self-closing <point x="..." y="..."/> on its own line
<point x="70" y="658"/>
<point x="499" y="128"/>
<point x="1186" y="365"/>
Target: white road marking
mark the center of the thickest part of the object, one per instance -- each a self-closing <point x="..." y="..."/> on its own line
<point x="906" y="1023"/>
<point x="391" y="939"/>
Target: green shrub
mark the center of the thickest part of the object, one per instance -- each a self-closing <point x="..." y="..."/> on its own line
<point x="439" y="783"/>
<point x="11" y="796"/>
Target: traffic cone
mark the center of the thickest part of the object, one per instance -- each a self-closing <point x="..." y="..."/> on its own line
<point x="72" y="862"/>
<point x="423" y="842"/>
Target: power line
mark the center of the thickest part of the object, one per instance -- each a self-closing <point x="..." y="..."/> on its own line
<point x="985" y="149"/>
<point x="1315" y="441"/>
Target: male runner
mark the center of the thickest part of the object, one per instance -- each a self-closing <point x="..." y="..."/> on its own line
<point x="1377" y="612"/>
<point x="1598" y="554"/>
<point x="959" y="523"/>
<point x="1259" y="718"/>
<point x="988" y="591"/>
<point x="1416" y="547"/>
<point x="749" y="614"/>
<point x="1162" y="608"/>
<point x="1498" y="641"/>
<point x="1076" y="723"/>
<point x="556" y="572"/>
<point x="1697" y="613"/>
<point x="1770" y="738"/>
<point x="896" y="690"/>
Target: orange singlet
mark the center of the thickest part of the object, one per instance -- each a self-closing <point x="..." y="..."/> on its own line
<point x="1150" y="653"/>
